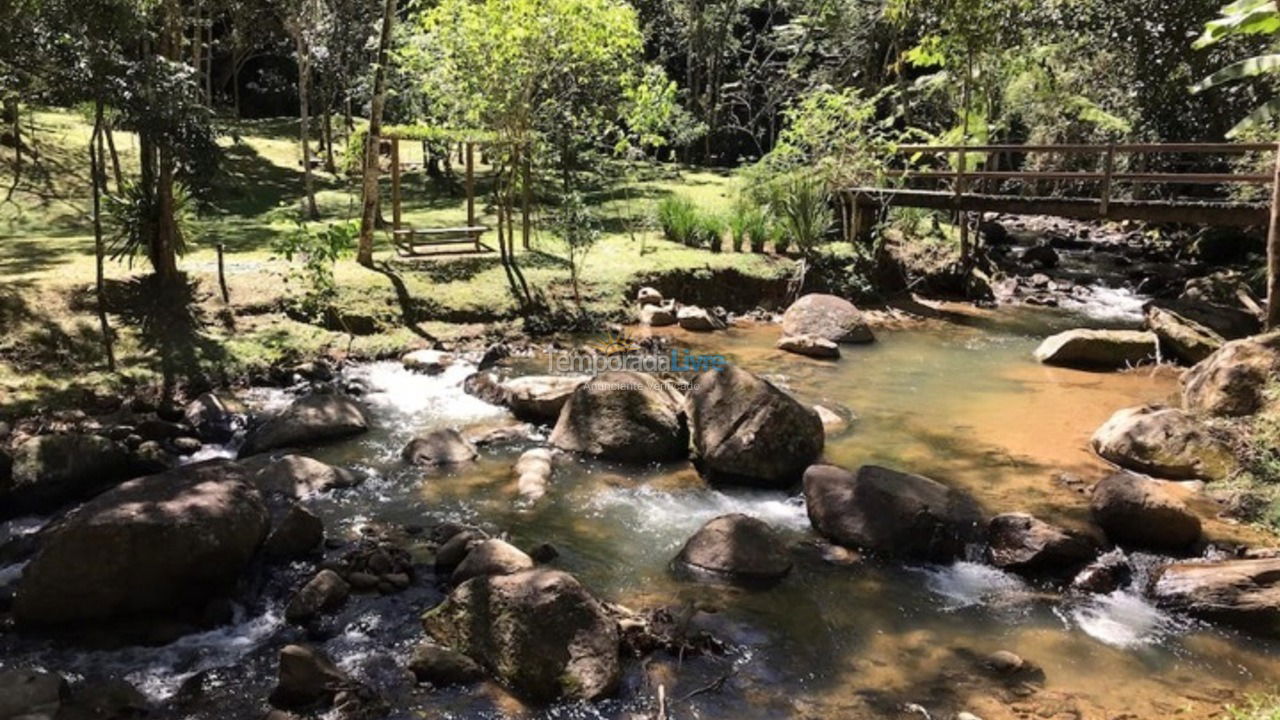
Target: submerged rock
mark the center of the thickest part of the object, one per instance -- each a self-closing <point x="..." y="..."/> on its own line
<point x="533" y="473"/>
<point x="625" y="416"/>
<point x="1245" y="593"/>
<point x="747" y="431"/>
<point x="491" y="557"/>
<point x="1140" y="512"/>
<point x="149" y="546"/>
<point x="539" y="632"/>
<point x="486" y="386"/>
<point x="51" y="470"/>
<point x="1232" y="381"/>
<point x="809" y="345"/>
<point x="828" y="317"/>
<point x="1027" y="545"/>
<point x="1107" y="574"/>
<point x="1098" y="349"/>
<point x="308" y="421"/>
<point x="832" y="422"/>
<point x="439" y="447"/>
<point x="696" y="319"/>
<point x="890" y="513"/>
<point x="736" y="548"/>
<point x="429" y="362"/>
<point x="540" y="398"/>
<point x="1165" y="442"/>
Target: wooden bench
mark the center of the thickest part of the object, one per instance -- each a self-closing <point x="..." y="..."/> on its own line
<point x="409" y="240"/>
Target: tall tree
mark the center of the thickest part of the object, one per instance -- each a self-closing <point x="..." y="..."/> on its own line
<point x="369" y="210"/>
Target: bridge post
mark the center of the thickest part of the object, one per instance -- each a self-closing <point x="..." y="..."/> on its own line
<point x="864" y="221"/>
<point x="1273" y="250"/>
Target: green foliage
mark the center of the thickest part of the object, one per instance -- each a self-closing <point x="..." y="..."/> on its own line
<point x="1257" y="707"/>
<point x="132" y="214"/>
<point x="708" y="232"/>
<point x="316" y="252"/>
<point x="579" y="228"/>
<point x="803" y="208"/>
<point x="678" y="218"/>
<point x="1244" y="17"/>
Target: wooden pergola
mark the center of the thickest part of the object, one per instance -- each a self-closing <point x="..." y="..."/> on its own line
<point x="408" y="240"/>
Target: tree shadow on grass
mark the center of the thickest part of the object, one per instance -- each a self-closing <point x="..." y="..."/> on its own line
<point x="36" y="342"/>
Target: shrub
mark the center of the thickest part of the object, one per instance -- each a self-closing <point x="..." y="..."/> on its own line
<point x="803" y="208"/>
<point x="678" y="218"/>
<point x="709" y="232"/>
<point x="740" y="221"/>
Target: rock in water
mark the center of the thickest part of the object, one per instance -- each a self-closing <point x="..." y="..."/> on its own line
<point x="539" y="632"/>
<point x="649" y="296"/>
<point x="1180" y="337"/>
<point x="1140" y="512"/>
<point x="736" y="548"/>
<point x="216" y="416"/>
<point x="826" y="316"/>
<point x="1245" y="593"/>
<point x="297" y="534"/>
<point x="149" y="546"/>
<point x="658" y="315"/>
<point x="832" y="422"/>
<point x="540" y="398"/>
<point x="491" y="557"/>
<point x="747" y="431"/>
<point x="533" y="473"/>
<point x="696" y="319"/>
<point x="1165" y="442"/>
<point x="1232" y="381"/>
<point x="301" y="477"/>
<point x="441" y="666"/>
<point x="308" y="421"/>
<point x="307" y="679"/>
<point x="429" y="362"/>
<point x="1098" y="349"/>
<point x="31" y="694"/>
<point x="440" y="447"/>
<point x="890" y="513"/>
<point x="625" y="416"/>
<point x="50" y="470"/>
<point x="326" y="591"/>
<point x="810" y="345"/>
<point x="1028" y="545"/>
<point x="1041" y="256"/>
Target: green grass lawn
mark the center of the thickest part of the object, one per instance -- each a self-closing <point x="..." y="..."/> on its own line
<point x="50" y="351"/>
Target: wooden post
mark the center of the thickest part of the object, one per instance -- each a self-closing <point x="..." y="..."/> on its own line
<point x="527" y="200"/>
<point x="960" y="214"/>
<point x="1108" y="169"/>
<point x="471" y="191"/>
<point x="395" y="184"/>
<point x="1273" y="250"/>
<point x="222" y="277"/>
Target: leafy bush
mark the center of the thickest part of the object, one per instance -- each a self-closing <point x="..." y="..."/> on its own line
<point x="317" y="251"/>
<point x="803" y="208"/>
<point x="709" y="232"/>
<point x="743" y="218"/>
<point x="678" y="218"/>
<point x="133" y="215"/>
<point x="759" y="229"/>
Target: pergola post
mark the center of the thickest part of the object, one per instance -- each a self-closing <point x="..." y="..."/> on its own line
<point x="1273" y="250"/>
<point x="471" y="185"/>
<point x="395" y="184"/>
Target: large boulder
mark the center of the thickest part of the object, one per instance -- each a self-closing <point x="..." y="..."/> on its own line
<point x="307" y="421"/>
<point x="737" y="548"/>
<point x="1165" y="442"/>
<point x="428" y="362"/>
<point x="1231" y="322"/>
<point x="1098" y="349"/>
<point x="747" y="431"/>
<point x="810" y="345"/>
<point x="1180" y="337"/>
<point x="539" y="632"/>
<point x="149" y="546"/>
<point x="1243" y="592"/>
<point x="826" y="316"/>
<point x="625" y="416"/>
<point x="29" y="694"/>
<point x="300" y="477"/>
<point x="439" y="447"/>
<point x="890" y="513"/>
<point x="1137" y="511"/>
<point x="216" y="416"/>
<point x="1029" y="546"/>
<point x="540" y="398"/>
<point x="51" y="470"/>
<point x="1232" y="381"/>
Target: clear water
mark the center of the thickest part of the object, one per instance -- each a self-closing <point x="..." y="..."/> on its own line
<point x="960" y="401"/>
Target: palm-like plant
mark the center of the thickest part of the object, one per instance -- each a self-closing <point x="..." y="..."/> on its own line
<point x="1244" y="17"/>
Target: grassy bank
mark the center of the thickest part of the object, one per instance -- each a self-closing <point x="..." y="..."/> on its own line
<point x="51" y="350"/>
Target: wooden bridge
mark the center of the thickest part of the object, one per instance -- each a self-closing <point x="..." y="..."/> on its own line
<point x="1101" y="193"/>
<point x="984" y="190"/>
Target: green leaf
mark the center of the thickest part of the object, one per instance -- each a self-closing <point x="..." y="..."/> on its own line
<point x="1250" y="67"/>
<point x="1264" y="114"/>
<point x="1247" y="17"/>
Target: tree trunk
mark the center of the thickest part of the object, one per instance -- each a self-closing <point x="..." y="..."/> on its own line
<point x="235" y="88"/>
<point x="115" y="156"/>
<point x="309" y="209"/>
<point x="96" y="159"/>
<point x="369" y="212"/>
<point x="1273" y="251"/>
<point x="330" y="166"/>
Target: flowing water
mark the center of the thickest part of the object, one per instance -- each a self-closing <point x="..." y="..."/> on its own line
<point x="961" y="401"/>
